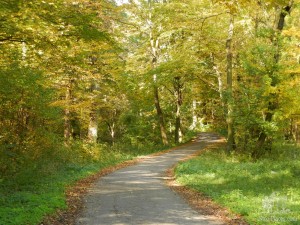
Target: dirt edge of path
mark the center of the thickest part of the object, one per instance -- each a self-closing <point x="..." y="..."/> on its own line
<point x="75" y="193"/>
<point x="198" y="200"/>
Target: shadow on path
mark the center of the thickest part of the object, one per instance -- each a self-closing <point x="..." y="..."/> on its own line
<point x="137" y="194"/>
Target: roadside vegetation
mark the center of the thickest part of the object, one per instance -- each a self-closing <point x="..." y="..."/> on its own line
<point x="39" y="189"/>
<point x="81" y="80"/>
<point x="264" y="191"/>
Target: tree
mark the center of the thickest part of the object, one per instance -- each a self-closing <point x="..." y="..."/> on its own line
<point x="273" y="75"/>
<point x="45" y="51"/>
<point x="230" y="101"/>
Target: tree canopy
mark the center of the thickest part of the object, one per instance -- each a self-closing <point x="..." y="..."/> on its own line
<point x="146" y="72"/>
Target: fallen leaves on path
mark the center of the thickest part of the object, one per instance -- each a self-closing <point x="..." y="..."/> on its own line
<point x="76" y="193"/>
<point x="199" y="201"/>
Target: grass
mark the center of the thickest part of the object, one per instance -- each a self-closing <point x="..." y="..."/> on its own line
<point x="265" y="192"/>
<point x="36" y="192"/>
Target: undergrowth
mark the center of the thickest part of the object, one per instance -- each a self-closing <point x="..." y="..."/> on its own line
<point x="39" y="189"/>
<point x="265" y="192"/>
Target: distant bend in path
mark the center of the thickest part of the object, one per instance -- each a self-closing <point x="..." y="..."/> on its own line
<point x="137" y="195"/>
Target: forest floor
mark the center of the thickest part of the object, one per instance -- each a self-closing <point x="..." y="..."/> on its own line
<point x="139" y="194"/>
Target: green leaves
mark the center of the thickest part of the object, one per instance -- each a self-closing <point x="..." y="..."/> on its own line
<point x="9" y="6"/>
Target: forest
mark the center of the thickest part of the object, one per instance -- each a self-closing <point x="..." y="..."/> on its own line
<point x="81" y="80"/>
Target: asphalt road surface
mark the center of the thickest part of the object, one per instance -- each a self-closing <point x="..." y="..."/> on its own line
<point x="137" y="195"/>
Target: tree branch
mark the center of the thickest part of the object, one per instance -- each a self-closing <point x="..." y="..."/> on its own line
<point x="172" y="92"/>
<point x="210" y="16"/>
<point x="11" y="39"/>
<point x="213" y="87"/>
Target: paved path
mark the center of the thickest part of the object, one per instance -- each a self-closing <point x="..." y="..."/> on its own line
<point x="137" y="195"/>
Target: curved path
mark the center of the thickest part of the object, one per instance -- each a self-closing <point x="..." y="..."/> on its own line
<point x="137" y="195"/>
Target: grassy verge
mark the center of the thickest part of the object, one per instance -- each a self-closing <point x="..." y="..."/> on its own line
<point x="265" y="192"/>
<point x="40" y="190"/>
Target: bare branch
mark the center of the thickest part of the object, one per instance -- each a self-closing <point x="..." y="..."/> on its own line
<point x="210" y="16"/>
<point x="212" y="85"/>
<point x="10" y="39"/>
<point x="172" y="92"/>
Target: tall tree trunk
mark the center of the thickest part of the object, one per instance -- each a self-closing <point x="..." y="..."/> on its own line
<point x="93" y="122"/>
<point x="154" y="46"/>
<point x="24" y="52"/>
<point x="219" y="77"/>
<point x="93" y="127"/>
<point x="67" y="126"/>
<point x="67" y="113"/>
<point x="178" y="96"/>
<point x="111" y="129"/>
<point x="230" y="100"/>
<point x="194" y="116"/>
<point x="160" y="116"/>
<point x="273" y="104"/>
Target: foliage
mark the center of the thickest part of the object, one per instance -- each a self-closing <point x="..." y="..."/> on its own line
<point x="77" y="74"/>
<point x="26" y="118"/>
<point x="26" y="199"/>
<point x="264" y="192"/>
